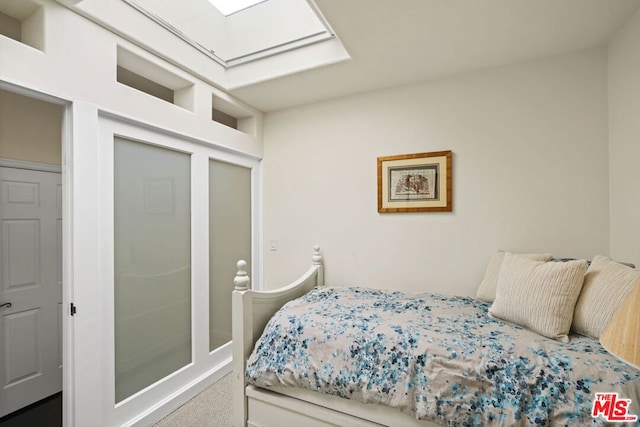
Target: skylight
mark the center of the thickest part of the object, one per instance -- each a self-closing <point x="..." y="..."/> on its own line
<point x="229" y="7"/>
<point x="234" y="32"/>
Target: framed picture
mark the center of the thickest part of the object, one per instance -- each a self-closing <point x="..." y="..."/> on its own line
<point x="418" y="182"/>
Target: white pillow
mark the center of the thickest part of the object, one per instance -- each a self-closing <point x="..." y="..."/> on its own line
<point x="540" y="296"/>
<point x="606" y="285"/>
<point x="487" y="289"/>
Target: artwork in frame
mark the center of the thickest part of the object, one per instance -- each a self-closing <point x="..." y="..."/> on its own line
<point x="418" y="182"/>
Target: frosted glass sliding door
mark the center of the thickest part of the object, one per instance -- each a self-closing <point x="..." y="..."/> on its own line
<point x="229" y="241"/>
<point x="152" y="262"/>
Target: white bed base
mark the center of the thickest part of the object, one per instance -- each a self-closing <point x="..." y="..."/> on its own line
<point x="287" y="406"/>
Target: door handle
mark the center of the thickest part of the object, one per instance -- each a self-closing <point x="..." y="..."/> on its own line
<point x="5" y="304"/>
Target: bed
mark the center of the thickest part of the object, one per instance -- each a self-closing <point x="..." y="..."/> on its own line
<point x="314" y="355"/>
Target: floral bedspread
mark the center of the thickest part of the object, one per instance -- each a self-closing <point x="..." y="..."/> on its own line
<point x="435" y="357"/>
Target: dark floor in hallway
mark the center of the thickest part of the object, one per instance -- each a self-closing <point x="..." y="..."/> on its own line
<point x="45" y="413"/>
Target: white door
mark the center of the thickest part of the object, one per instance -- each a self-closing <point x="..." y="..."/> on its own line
<point x="30" y="287"/>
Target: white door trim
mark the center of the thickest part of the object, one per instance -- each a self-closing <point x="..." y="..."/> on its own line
<point x="21" y="164"/>
<point x="81" y="266"/>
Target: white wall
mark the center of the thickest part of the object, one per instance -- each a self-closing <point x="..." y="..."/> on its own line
<point x="624" y="140"/>
<point x="530" y="163"/>
<point x="78" y="62"/>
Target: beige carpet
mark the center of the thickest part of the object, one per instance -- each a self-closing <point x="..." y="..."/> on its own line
<point x="211" y="408"/>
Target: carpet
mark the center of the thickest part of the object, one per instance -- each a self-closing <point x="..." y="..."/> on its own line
<point x="211" y="408"/>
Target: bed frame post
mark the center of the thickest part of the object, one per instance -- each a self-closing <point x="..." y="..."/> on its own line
<point x="316" y="261"/>
<point x="240" y="328"/>
<point x="251" y="310"/>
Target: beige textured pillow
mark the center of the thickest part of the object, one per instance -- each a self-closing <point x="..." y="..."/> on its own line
<point x="606" y="285"/>
<point x="538" y="295"/>
<point x="487" y="289"/>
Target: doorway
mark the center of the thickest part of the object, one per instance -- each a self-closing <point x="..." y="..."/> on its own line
<point x="30" y="252"/>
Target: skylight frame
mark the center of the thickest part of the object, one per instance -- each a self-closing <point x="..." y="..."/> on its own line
<point x="328" y="34"/>
<point x="229" y="7"/>
<point x="274" y="50"/>
<point x="172" y="29"/>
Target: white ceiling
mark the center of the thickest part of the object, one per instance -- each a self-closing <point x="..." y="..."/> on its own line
<point x="395" y="42"/>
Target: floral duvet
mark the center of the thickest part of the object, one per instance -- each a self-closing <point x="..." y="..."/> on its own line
<point x="436" y="357"/>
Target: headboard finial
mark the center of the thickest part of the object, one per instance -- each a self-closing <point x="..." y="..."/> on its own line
<point x="242" y="280"/>
<point x="316" y="259"/>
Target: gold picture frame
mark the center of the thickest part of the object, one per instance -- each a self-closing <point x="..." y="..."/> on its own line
<point x="418" y="182"/>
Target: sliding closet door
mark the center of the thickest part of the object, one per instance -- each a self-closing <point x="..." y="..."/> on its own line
<point x="158" y="194"/>
<point x="152" y="264"/>
<point x="229" y="241"/>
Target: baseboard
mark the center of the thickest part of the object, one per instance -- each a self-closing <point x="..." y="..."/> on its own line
<point x="181" y="396"/>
